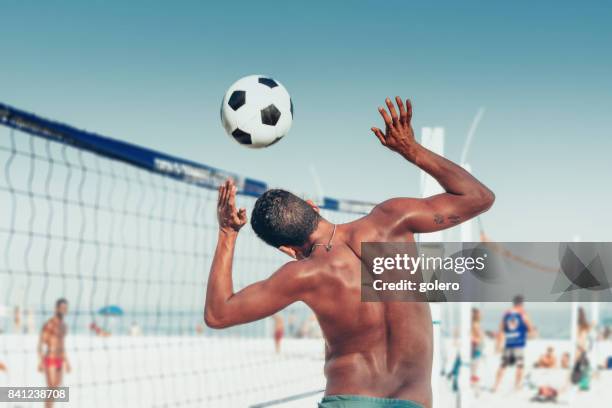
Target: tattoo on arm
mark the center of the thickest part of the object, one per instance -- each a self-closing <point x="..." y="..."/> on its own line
<point x="455" y="219"/>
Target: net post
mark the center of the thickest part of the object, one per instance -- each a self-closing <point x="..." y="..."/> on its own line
<point x="433" y="139"/>
<point x="465" y="390"/>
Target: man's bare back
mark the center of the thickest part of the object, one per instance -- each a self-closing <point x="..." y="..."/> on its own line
<point x="373" y="349"/>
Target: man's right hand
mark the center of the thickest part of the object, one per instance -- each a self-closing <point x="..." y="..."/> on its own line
<point x="230" y="218"/>
<point x="398" y="135"/>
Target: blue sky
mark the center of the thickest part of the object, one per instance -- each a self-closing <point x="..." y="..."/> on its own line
<point x="154" y="73"/>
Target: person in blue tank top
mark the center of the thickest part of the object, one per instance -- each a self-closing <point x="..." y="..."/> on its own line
<point x="514" y="330"/>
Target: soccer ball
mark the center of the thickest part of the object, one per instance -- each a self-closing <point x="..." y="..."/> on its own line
<point x="257" y="111"/>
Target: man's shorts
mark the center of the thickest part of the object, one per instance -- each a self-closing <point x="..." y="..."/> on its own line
<point x="359" y="401"/>
<point x="512" y="356"/>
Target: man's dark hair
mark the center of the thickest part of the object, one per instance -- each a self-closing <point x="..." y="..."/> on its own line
<point x="60" y="301"/>
<point x="518" y="300"/>
<point x="281" y="218"/>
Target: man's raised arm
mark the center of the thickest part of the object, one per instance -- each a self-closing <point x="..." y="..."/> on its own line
<point x="465" y="196"/>
<point x="223" y="307"/>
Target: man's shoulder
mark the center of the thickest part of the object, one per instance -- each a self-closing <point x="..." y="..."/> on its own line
<point x="49" y="324"/>
<point x="389" y="218"/>
<point x="298" y="269"/>
<point x="394" y="205"/>
<point x="297" y="276"/>
<point x="363" y="229"/>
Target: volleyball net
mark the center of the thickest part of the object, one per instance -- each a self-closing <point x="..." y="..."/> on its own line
<point x="126" y="235"/>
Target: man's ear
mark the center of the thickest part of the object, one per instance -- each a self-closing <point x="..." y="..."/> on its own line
<point x="288" y="251"/>
<point x="313" y="205"/>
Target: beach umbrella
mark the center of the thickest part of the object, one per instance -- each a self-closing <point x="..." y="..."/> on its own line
<point x="111" y="310"/>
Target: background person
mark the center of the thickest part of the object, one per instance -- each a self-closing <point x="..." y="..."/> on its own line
<point x="279" y="331"/>
<point x="514" y="330"/>
<point x="51" y="349"/>
<point x="585" y="342"/>
<point x="17" y="319"/>
<point x="585" y="336"/>
<point x="477" y="344"/>
<point x="548" y="359"/>
<point x="565" y="360"/>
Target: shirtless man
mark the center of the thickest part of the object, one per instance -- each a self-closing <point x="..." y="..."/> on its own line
<point x="378" y="354"/>
<point x="53" y="360"/>
<point x="548" y="359"/>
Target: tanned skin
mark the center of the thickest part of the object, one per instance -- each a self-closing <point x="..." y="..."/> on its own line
<point x="52" y="338"/>
<point x="377" y="349"/>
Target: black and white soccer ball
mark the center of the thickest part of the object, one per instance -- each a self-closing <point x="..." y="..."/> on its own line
<point x="257" y="111"/>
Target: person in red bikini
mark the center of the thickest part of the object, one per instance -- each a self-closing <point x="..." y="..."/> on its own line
<point x="279" y="331"/>
<point x="51" y="351"/>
